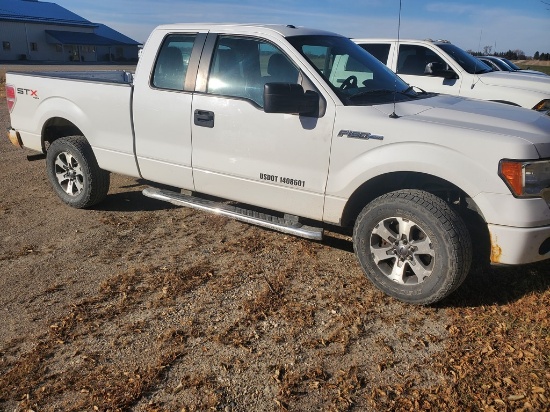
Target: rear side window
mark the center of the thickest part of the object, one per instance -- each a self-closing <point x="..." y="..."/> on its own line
<point x="380" y="51"/>
<point x="172" y="62"/>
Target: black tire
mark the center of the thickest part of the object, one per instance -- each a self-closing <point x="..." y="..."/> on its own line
<point x="412" y="246"/>
<point x="74" y="173"/>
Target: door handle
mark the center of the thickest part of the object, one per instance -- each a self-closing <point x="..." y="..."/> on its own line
<point x="204" y="118"/>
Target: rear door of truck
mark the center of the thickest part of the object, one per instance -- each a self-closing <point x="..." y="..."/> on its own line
<point x="163" y="95"/>
<point x="412" y="60"/>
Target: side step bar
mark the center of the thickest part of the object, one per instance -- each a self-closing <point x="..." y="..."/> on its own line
<point x="244" y="215"/>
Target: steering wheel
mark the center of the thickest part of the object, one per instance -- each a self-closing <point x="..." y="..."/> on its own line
<point x="350" y="82"/>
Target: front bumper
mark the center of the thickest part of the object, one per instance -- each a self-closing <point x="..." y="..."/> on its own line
<point x="516" y="246"/>
<point x="14" y="137"/>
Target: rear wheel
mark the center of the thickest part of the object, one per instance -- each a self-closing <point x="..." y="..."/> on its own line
<point x="74" y="173"/>
<point x="412" y="246"/>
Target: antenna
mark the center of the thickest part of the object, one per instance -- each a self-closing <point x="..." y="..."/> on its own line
<point x="394" y="115"/>
<point x="475" y="66"/>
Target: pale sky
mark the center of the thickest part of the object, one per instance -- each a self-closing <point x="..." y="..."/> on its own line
<point x="502" y="24"/>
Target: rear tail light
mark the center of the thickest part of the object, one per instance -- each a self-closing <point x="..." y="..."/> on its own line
<point x="10" y="95"/>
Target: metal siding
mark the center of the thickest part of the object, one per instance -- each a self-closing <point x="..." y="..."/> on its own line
<point x="46" y="51"/>
<point x="15" y="34"/>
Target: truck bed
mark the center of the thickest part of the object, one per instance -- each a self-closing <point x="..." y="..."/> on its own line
<point x="97" y="103"/>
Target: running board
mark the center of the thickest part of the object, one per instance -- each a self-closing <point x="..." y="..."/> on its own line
<point x="244" y="215"/>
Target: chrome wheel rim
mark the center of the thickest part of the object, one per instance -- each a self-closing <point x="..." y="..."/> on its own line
<point x="402" y="251"/>
<point x="69" y="174"/>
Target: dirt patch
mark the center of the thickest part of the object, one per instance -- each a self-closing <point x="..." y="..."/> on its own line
<point x="139" y="305"/>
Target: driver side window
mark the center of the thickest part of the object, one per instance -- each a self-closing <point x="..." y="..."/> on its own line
<point x="413" y="59"/>
<point x="242" y="66"/>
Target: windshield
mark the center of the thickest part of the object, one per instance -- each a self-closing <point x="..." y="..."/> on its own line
<point x="355" y="75"/>
<point x="499" y="63"/>
<point x="511" y="64"/>
<point x="465" y="60"/>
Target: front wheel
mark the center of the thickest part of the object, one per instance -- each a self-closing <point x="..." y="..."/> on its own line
<point x="412" y="246"/>
<point x="74" y="173"/>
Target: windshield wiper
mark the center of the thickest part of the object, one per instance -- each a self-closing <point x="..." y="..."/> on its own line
<point x="370" y="92"/>
<point x="483" y="71"/>
<point x="406" y="92"/>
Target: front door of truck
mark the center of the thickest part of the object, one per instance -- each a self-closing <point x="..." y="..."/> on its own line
<point x="411" y="67"/>
<point x="277" y="161"/>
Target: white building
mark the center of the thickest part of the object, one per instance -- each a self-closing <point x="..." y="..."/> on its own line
<point x="41" y="31"/>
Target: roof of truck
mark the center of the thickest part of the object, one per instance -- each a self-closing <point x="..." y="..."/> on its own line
<point x="249" y="28"/>
<point x="388" y="40"/>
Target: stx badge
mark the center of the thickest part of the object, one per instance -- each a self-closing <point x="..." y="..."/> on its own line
<point x="28" y="92"/>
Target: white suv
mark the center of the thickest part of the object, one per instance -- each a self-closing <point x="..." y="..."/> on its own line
<point x="442" y="67"/>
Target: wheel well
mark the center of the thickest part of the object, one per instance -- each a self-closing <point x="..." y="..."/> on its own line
<point x="56" y="128"/>
<point x="459" y="200"/>
<point x="390" y="182"/>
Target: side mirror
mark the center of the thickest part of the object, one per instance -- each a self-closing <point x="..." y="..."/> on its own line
<point x="290" y="98"/>
<point x="439" y="70"/>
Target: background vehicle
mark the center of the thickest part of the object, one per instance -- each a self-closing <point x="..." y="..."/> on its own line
<point x="516" y="67"/>
<point x="302" y="129"/>
<point x="501" y="64"/>
<point x="441" y="67"/>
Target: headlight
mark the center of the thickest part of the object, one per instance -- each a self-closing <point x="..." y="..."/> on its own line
<point x="543" y="106"/>
<point x="529" y="178"/>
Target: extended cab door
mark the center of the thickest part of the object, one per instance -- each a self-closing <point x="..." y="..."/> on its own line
<point x="277" y="161"/>
<point x="162" y="107"/>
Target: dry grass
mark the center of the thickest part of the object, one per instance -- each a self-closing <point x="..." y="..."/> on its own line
<point x="532" y="63"/>
<point x="541" y="66"/>
<point x="495" y="350"/>
<point x="498" y="353"/>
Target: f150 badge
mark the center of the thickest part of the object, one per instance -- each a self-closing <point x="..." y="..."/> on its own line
<point x="359" y="135"/>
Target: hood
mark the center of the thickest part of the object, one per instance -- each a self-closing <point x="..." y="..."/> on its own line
<point x="524" y="73"/>
<point x="489" y="117"/>
<point x="533" y="72"/>
<point x="533" y="82"/>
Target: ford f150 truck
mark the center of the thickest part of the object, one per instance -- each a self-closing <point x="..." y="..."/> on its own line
<point x="258" y="117"/>
<point x="442" y="67"/>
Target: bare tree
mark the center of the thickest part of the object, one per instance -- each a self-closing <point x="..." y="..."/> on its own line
<point x="520" y="54"/>
<point x="487" y="50"/>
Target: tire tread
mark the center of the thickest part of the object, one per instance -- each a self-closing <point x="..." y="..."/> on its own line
<point x="456" y="230"/>
<point x="98" y="179"/>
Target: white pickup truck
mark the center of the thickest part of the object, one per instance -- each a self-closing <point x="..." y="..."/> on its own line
<point x="442" y="67"/>
<point x="256" y="116"/>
